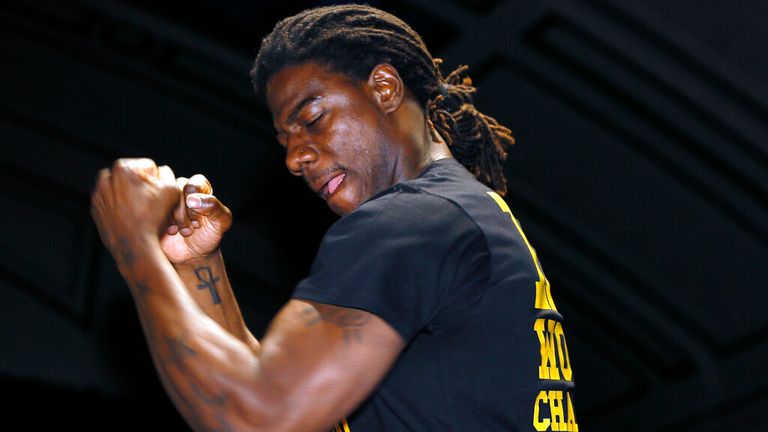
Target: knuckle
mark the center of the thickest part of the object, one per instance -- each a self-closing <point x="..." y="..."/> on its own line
<point x="101" y="179"/>
<point x="201" y="180"/>
<point x="190" y="188"/>
<point x="197" y="183"/>
<point x="122" y="166"/>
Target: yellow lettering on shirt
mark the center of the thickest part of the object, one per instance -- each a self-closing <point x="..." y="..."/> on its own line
<point x="548" y="366"/>
<point x="553" y="411"/>
<point x="342" y="427"/>
<point x="543" y="293"/>
<point x="556" y="410"/>
<point x="552" y="348"/>
<point x="572" y="426"/>
<point x="538" y="423"/>
<point x="562" y="352"/>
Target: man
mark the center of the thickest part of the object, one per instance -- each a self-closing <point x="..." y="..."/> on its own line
<point x="426" y="308"/>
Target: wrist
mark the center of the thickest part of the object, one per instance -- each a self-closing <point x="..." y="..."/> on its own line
<point x="198" y="260"/>
<point x="127" y="248"/>
<point x="136" y="256"/>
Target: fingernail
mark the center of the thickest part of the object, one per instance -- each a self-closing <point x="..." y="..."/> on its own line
<point x="193" y="202"/>
<point x="185" y="231"/>
<point x="196" y="224"/>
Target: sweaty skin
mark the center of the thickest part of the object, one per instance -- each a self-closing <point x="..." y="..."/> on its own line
<point x="374" y="132"/>
<point x="316" y="362"/>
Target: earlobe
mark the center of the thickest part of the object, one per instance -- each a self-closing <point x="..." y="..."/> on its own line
<point x="387" y="87"/>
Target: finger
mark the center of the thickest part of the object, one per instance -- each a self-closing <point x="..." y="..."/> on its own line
<point x="181" y="182"/>
<point x="180" y="217"/>
<point x="166" y="181"/>
<point x="198" y="184"/>
<point x="210" y="206"/>
<point x="144" y="168"/>
<point x="165" y="176"/>
<point x="104" y="172"/>
<point x="102" y="178"/>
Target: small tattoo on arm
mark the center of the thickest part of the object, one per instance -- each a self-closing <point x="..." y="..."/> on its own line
<point x="350" y="321"/>
<point x="123" y="252"/>
<point x="208" y="281"/>
<point x="178" y="350"/>
<point x="311" y="316"/>
<point x="215" y="400"/>
<point x="142" y="287"/>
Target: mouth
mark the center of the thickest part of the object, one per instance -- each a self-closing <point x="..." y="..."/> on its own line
<point x="332" y="185"/>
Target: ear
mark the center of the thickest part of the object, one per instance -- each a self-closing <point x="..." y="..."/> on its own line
<point x="387" y="87"/>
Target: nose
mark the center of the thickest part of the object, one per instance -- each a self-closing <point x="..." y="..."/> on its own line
<point x="298" y="156"/>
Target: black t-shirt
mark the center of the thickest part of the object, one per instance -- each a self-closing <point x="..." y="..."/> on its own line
<point x="441" y="259"/>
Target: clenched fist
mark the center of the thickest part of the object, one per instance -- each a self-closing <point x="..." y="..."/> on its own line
<point x="133" y="200"/>
<point x="199" y="221"/>
<point x="136" y="200"/>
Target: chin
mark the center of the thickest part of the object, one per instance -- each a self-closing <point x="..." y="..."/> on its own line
<point x="342" y="204"/>
<point x="341" y="209"/>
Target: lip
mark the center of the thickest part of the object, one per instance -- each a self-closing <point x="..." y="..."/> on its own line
<point x="320" y="185"/>
<point x="325" y="191"/>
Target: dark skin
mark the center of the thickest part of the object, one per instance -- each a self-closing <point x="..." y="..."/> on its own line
<point x="316" y="363"/>
<point x="373" y="133"/>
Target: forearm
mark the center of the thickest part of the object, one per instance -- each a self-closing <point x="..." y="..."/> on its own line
<point x="204" y="368"/>
<point x="207" y="283"/>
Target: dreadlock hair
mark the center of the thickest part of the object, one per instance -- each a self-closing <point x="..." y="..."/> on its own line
<point x="353" y="39"/>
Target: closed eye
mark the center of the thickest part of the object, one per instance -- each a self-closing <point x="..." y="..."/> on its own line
<point x="314" y="120"/>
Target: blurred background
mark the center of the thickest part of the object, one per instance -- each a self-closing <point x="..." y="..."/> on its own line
<point x="640" y="175"/>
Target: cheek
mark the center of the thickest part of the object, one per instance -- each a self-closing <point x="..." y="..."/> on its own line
<point x="358" y="145"/>
<point x="351" y="145"/>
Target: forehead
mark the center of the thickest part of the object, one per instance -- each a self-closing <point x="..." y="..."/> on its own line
<point x="294" y="83"/>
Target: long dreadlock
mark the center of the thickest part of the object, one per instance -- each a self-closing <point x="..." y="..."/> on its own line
<point x="353" y="39"/>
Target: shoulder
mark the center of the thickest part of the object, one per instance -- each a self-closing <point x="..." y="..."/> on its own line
<point x="404" y="209"/>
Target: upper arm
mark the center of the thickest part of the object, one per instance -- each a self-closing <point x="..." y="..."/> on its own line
<point x="318" y="362"/>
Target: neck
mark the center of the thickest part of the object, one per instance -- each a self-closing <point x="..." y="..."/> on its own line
<point x="420" y="148"/>
<point x="433" y="145"/>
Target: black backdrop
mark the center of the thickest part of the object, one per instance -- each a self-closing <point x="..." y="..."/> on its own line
<point x="640" y="175"/>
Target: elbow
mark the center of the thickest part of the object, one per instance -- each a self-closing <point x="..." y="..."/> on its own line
<point x="270" y="411"/>
<point x="242" y="407"/>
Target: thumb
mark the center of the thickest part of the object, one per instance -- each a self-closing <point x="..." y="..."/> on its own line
<point x="209" y="206"/>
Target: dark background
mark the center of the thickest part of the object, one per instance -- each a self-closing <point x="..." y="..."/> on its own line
<point x="640" y="175"/>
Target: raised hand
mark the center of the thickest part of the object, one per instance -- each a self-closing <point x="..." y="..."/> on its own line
<point x="198" y="222"/>
<point x="131" y="202"/>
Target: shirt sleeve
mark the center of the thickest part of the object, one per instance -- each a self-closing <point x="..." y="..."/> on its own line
<point x="398" y="257"/>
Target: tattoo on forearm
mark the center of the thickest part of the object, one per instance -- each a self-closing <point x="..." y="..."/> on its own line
<point x="178" y="350"/>
<point x="210" y="400"/>
<point x="350" y="321"/>
<point x="142" y="287"/>
<point x="123" y="253"/>
<point x="182" y="402"/>
<point x="215" y="402"/>
<point x="208" y="281"/>
<point x="223" y="423"/>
